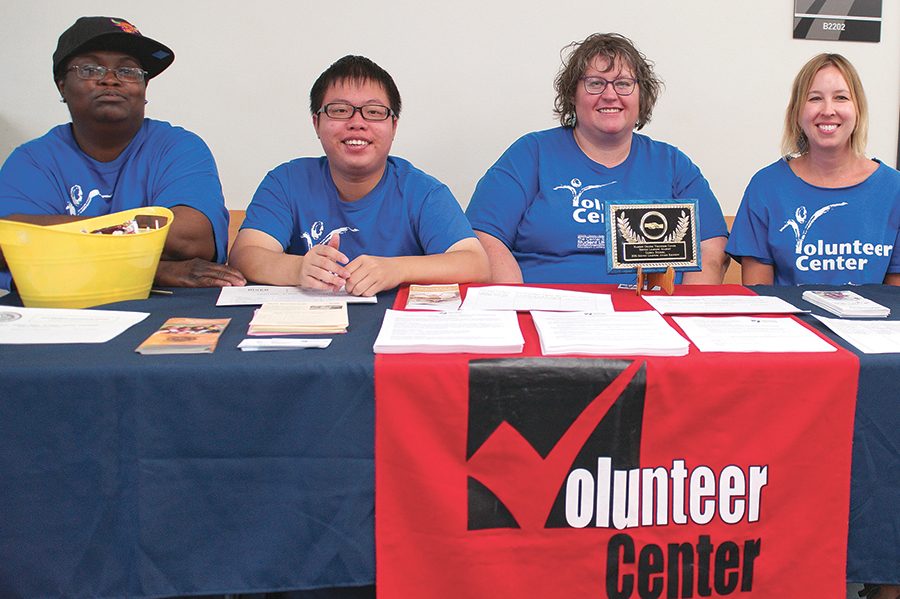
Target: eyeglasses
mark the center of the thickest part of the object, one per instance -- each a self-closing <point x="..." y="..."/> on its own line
<point x="94" y="72"/>
<point x="596" y="85"/>
<point x="343" y="112"/>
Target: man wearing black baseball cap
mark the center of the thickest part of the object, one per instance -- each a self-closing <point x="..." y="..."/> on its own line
<point x="110" y="158"/>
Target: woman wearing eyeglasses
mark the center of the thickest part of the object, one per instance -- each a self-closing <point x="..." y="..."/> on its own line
<point x="824" y="213"/>
<point x="538" y="211"/>
<point x="357" y="217"/>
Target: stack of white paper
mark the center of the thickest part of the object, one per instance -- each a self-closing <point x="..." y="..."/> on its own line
<point x="250" y="295"/>
<point x="63" y="325"/>
<point x="868" y="336"/>
<point x="296" y="318"/>
<point x="644" y="333"/>
<point x="441" y="298"/>
<point x="449" y="332"/>
<point x="524" y="299"/>
<point x="751" y="334"/>
<point x="846" y="304"/>
<point x="720" y="304"/>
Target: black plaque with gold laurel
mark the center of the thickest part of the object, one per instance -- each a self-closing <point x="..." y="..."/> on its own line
<point x="653" y="235"/>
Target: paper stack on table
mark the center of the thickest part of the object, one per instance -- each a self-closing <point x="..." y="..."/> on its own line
<point x="250" y="295"/>
<point x="441" y="298"/>
<point x="63" y="325"/>
<point x="185" y="336"/>
<point x="449" y="332"/>
<point x="868" y="336"/>
<point x="297" y="318"/>
<point x="846" y="304"/>
<point x="644" y="333"/>
<point x="720" y="304"/>
<point x="746" y="334"/>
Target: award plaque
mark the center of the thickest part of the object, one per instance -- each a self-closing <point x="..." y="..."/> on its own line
<point x="652" y="236"/>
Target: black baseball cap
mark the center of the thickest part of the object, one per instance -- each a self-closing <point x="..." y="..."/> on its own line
<point x="114" y="34"/>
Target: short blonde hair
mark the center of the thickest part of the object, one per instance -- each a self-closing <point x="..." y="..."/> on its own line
<point x="794" y="141"/>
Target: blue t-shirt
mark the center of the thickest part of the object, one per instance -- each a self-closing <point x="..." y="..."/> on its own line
<point x="162" y="166"/>
<point x="409" y="213"/>
<point x="811" y="235"/>
<point x="544" y="198"/>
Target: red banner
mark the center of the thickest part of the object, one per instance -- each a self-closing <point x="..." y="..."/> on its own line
<point x="708" y="475"/>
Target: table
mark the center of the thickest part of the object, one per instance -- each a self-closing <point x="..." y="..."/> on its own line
<point x="147" y="476"/>
<point x="873" y="552"/>
<point x="123" y="474"/>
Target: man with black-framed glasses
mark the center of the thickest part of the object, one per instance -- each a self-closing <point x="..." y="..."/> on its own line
<point x="357" y="217"/>
<point x="110" y="158"/>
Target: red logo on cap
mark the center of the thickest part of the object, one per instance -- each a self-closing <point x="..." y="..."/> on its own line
<point x="125" y="26"/>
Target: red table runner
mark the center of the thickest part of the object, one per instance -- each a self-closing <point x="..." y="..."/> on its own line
<point x="522" y="476"/>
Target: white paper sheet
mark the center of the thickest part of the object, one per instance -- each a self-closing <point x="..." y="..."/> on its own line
<point x="282" y="344"/>
<point x="643" y="333"/>
<point x="449" y="332"/>
<point x="720" y="304"/>
<point x="252" y="295"/>
<point x="525" y="299"/>
<point x="56" y="325"/>
<point x="751" y="334"/>
<point x="869" y="337"/>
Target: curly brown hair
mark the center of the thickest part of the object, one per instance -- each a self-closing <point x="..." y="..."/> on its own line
<point x="614" y="48"/>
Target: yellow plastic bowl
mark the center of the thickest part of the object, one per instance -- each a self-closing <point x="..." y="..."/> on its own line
<point x="61" y="266"/>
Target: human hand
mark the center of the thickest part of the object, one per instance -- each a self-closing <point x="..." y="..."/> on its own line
<point x="197" y="272"/>
<point x="322" y="266"/>
<point x="371" y="274"/>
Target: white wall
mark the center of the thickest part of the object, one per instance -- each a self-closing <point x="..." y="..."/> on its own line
<point x="473" y="75"/>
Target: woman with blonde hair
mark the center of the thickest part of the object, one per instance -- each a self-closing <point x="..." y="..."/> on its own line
<point x="823" y="213"/>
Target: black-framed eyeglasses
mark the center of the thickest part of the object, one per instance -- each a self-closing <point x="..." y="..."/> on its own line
<point x="94" y="72"/>
<point x="343" y="111"/>
<point x="596" y="85"/>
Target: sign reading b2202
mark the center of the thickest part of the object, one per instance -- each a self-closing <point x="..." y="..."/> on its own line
<point x="838" y="20"/>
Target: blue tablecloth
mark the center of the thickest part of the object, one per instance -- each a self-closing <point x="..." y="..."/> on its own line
<point x="146" y="476"/>
<point x="123" y="474"/>
<point x="873" y="552"/>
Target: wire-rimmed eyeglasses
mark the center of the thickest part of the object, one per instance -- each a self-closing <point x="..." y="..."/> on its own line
<point x="95" y="72"/>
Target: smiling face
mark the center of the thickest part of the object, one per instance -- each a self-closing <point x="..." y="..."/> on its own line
<point x="828" y="115"/>
<point x="607" y="115"/>
<point x="107" y="101"/>
<point x="357" y="149"/>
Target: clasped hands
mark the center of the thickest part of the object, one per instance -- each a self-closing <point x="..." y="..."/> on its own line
<point x="325" y="267"/>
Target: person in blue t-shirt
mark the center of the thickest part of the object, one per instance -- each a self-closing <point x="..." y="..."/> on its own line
<point x="110" y="158"/>
<point x="539" y="210"/>
<point x="824" y="213"/>
<point x="356" y="217"/>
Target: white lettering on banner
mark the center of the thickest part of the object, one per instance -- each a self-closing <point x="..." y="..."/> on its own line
<point x="644" y="497"/>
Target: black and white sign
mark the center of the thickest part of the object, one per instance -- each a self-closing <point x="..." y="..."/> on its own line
<point x="838" y="20"/>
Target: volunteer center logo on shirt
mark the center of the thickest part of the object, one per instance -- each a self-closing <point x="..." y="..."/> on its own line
<point x="828" y="256"/>
<point x="586" y="210"/>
